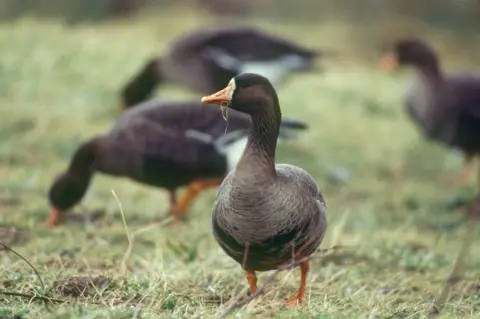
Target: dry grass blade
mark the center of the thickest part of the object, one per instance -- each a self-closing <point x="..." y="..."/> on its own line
<point x="126" y="257"/>
<point x="240" y="303"/>
<point x="33" y="297"/>
<point x="150" y="227"/>
<point x="461" y="258"/>
<point x="10" y="236"/>
<point x="31" y="266"/>
<point x="136" y="314"/>
<point x="224" y="108"/>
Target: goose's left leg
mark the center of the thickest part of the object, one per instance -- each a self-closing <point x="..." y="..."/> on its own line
<point x="298" y="298"/>
<point x="193" y="189"/>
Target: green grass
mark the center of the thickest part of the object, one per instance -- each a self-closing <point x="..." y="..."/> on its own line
<point x="59" y="85"/>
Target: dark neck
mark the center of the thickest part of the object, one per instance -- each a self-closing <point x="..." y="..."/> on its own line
<point x="259" y="155"/>
<point x="430" y="68"/>
<point x="83" y="161"/>
<point x="142" y="85"/>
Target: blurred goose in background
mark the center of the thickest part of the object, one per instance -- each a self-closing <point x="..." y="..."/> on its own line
<point x="227" y="8"/>
<point x="205" y="60"/>
<point x="265" y="215"/>
<point x="163" y="144"/>
<point x="445" y="107"/>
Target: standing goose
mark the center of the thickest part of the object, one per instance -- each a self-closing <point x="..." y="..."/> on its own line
<point x="205" y="60"/>
<point x="162" y="144"/>
<point x="445" y="107"/>
<point x="265" y="215"/>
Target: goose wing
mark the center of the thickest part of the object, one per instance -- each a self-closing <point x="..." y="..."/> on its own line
<point x="248" y="44"/>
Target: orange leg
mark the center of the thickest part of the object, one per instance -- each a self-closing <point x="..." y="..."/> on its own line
<point x="55" y="218"/>
<point x="245" y="255"/>
<point x="180" y="209"/>
<point x="298" y="299"/>
<point x="252" y="280"/>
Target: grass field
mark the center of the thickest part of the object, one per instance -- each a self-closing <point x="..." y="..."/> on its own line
<point x="386" y="189"/>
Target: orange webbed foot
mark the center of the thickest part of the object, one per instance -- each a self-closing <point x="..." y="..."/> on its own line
<point x="54" y="219"/>
<point x="297" y="300"/>
<point x="293" y="302"/>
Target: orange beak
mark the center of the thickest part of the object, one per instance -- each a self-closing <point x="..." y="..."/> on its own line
<point x="222" y="96"/>
<point x="55" y="218"/>
<point x="388" y="63"/>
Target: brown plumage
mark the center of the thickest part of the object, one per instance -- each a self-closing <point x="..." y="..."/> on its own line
<point x="205" y="60"/>
<point x="445" y="107"/>
<point x="162" y="144"/>
<point x="265" y="215"/>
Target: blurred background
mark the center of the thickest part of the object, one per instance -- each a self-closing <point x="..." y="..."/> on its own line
<point x="63" y="63"/>
<point x="367" y="22"/>
<point x="450" y="15"/>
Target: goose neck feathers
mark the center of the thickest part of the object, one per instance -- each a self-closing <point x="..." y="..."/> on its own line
<point x="70" y="186"/>
<point x="84" y="158"/>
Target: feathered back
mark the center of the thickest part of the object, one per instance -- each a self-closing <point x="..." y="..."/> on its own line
<point x="245" y="43"/>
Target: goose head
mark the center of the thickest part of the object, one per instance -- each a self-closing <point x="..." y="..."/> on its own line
<point x="410" y="52"/>
<point x="249" y="93"/>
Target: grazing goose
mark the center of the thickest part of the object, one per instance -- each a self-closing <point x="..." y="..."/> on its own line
<point x="205" y="60"/>
<point x="163" y="144"/>
<point x="445" y="107"/>
<point x="265" y="215"/>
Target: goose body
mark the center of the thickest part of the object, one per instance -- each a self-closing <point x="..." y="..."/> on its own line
<point x="162" y="144"/>
<point x="205" y="60"/>
<point x="281" y="224"/>
<point x="446" y="108"/>
<point x="266" y="215"/>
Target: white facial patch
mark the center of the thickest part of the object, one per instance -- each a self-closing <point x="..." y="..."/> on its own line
<point x="233" y="87"/>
